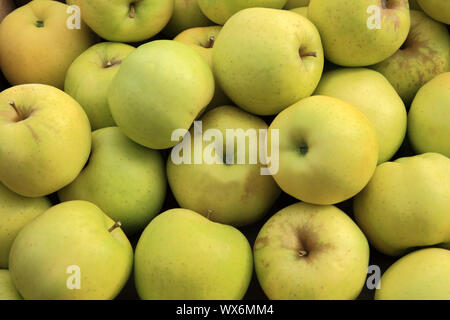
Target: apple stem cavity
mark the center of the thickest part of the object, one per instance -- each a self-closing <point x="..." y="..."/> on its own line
<point x="132" y="12"/>
<point x="308" y="54"/>
<point x="116" y="225"/>
<point x="303" y="149"/>
<point x="20" y="116"/>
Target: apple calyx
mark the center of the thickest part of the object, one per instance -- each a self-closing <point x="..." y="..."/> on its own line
<point x="302" y="253"/>
<point x="303" y="149"/>
<point x="20" y="115"/>
<point x="39" y="24"/>
<point x="132" y="12"/>
<point x="116" y="225"/>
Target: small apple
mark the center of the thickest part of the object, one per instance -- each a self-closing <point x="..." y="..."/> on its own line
<point x="126" y="180"/>
<point x="437" y="9"/>
<point x="160" y="87"/>
<point x="73" y="251"/>
<point x="89" y="77"/>
<point x="310" y="252"/>
<point x="267" y="59"/>
<point x="182" y="255"/>
<point x="292" y="4"/>
<point x="406" y="204"/>
<point x="45" y="139"/>
<point x="36" y="45"/>
<point x="421" y="275"/>
<point x="7" y="289"/>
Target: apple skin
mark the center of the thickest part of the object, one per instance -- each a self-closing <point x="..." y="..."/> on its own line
<point x="437" y="9"/>
<point x="425" y="54"/>
<point x="124" y="179"/>
<point x="328" y="150"/>
<point x="346" y="37"/>
<point x="292" y="4"/>
<point x="421" y="275"/>
<point x="220" y="11"/>
<point x="406" y="203"/>
<point x="203" y="187"/>
<point x="125" y="20"/>
<point x="181" y="255"/>
<point x="310" y="252"/>
<point x="302" y="11"/>
<point x="46" y="150"/>
<point x="429" y="117"/>
<point x="373" y="95"/>
<point x="257" y="61"/>
<point x="89" y="77"/>
<point x="7" y="289"/>
<point x="70" y="233"/>
<point x="40" y="54"/>
<point x="15" y="212"/>
<point x="160" y="87"/>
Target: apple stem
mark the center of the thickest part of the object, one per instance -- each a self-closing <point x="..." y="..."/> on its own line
<point x="302" y="253"/>
<point x="309" y="54"/>
<point x="116" y="225"/>
<point x="211" y="41"/>
<point x="132" y="10"/>
<point x="19" y="114"/>
<point x="208" y="214"/>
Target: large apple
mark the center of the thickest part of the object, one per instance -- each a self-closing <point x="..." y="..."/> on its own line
<point x="15" y="212"/>
<point x="358" y="33"/>
<point x="45" y="139"/>
<point x="267" y="59"/>
<point x="89" y="77"/>
<point x="406" y="204"/>
<point x="309" y="252"/>
<point x="182" y="255"/>
<point x="160" y="87"/>
<point x="126" y="180"/>
<point x="36" y="46"/>
<point x="328" y="150"/>
<point x="424" y="55"/>
<point x="429" y="117"/>
<point x="126" y="20"/>
<point x="372" y="94"/>
<point x="7" y="289"/>
<point x="220" y="11"/>
<point x="420" y="275"/>
<point x="437" y="9"/>
<point x="71" y="251"/>
<point x="204" y="187"/>
<point x="292" y="4"/>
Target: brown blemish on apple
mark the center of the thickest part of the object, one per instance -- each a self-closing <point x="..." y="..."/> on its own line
<point x="261" y="243"/>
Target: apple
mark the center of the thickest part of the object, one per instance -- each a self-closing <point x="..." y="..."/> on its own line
<point x="220" y="11"/>
<point x="6" y="6"/>
<point x="429" y="117"/>
<point x="126" y="20"/>
<point x="374" y="96"/>
<point x="72" y="239"/>
<point x="89" y="77"/>
<point x="36" y="46"/>
<point x="310" y="252"/>
<point x="45" y="139"/>
<point x="328" y="150"/>
<point x="124" y="179"/>
<point x="267" y="59"/>
<point x="181" y="255"/>
<point x="406" y="204"/>
<point x="302" y="11"/>
<point x="186" y="15"/>
<point x="437" y="9"/>
<point x="350" y="33"/>
<point x="15" y="212"/>
<point x="424" y="55"/>
<point x="421" y="275"/>
<point x="7" y="289"/>
<point x="160" y="87"/>
<point x="292" y="4"/>
<point x="203" y="187"/>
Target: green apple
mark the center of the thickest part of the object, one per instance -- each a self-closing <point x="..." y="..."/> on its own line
<point x="406" y="204"/>
<point x="36" y="46"/>
<point x="73" y="251"/>
<point x="267" y="59"/>
<point x="302" y="11"/>
<point x="45" y="139"/>
<point x="372" y="94"/>
<point x="6" y="6"/>
<point x="186" y="15"/>
<point x="429" y="117"/>
<point x="182" y="255"/>
<point x="89" y="77"/>
<point x="437" y="9"/>
<point x="126" y="180"/>
<point x="292" y="4"/>
<point x="424" y="55"/>
<point x="328" y="150"/>
<point x="310" y="252"/>
<point x="7" y="289"/>
<point x="126" y="20"/>
<point x="220" y="11"/>
<point x="420" y="275"/>
<point x="162" y="86"/>
<point x="15" y="212"/>
<point x="358" y="33"/>
<point x="204" y="187"/>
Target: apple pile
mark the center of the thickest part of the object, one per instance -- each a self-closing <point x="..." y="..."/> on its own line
<point x="102" y="94"/>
